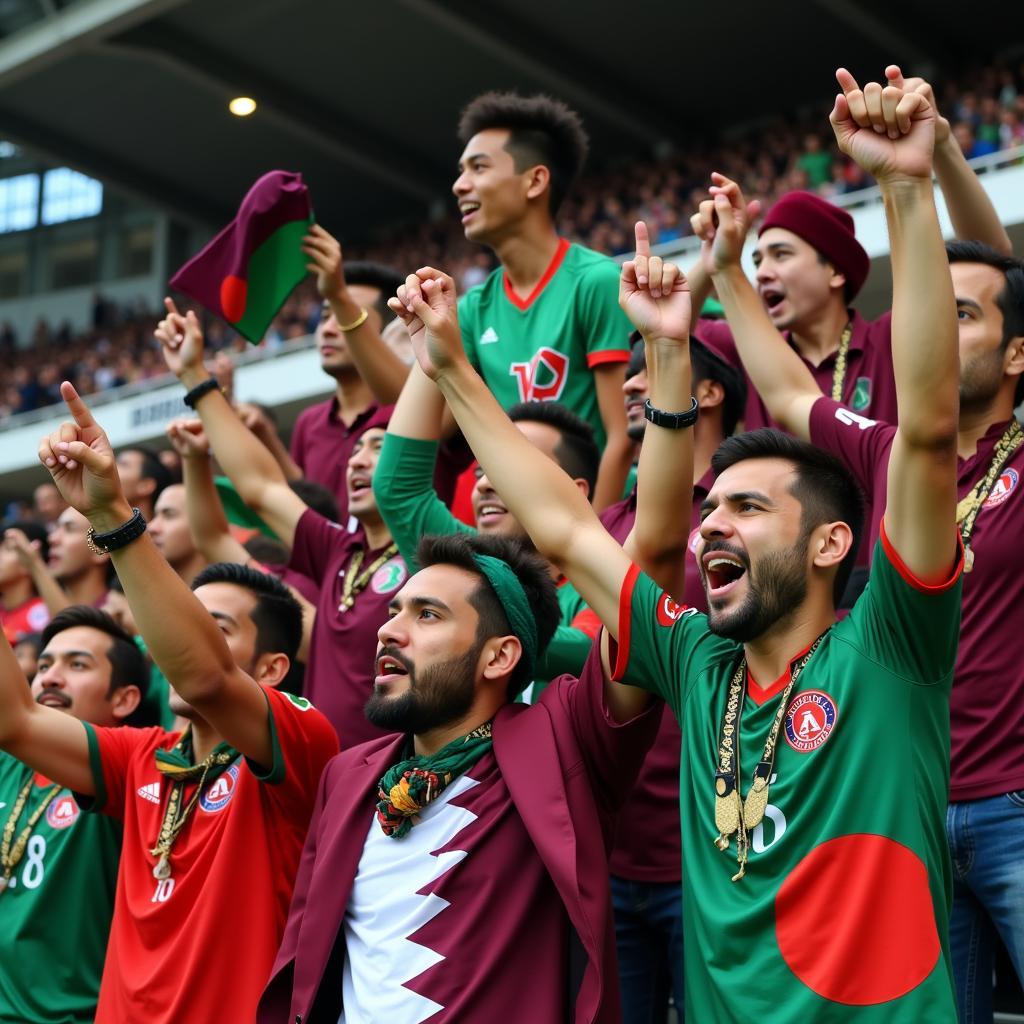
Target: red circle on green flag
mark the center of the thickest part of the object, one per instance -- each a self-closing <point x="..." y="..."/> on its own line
<point x="855" y="921"/>
<point x="233" y="291"/>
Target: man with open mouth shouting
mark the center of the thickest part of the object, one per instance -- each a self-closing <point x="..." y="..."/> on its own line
<point x="814" y="761"/>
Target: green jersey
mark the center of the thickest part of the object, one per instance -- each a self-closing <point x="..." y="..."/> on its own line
<point x="57" y="906"/>
<point x="545" y="348"/>
<point x="403" y="485"/>
<point x="842" y="914"/>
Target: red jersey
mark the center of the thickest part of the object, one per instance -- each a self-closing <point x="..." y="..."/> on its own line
<point x="200" y="944"/>
<point x="29" y="617"/>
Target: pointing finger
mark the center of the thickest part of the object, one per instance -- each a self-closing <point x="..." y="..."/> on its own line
<point x="76" y="406"/>
<point x="895" y="76"/>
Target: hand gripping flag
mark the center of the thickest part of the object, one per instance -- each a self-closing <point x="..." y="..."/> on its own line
<point x="245" y="274"/>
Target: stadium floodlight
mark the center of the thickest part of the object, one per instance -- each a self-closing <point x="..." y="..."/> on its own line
<point x="242" y="106"/>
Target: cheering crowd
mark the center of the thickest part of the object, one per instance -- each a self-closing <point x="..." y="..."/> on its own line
<point x="525" y="522"/>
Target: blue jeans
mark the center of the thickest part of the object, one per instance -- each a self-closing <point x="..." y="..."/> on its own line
<point x="986" y="842"/>
<point x="649" y="938"/>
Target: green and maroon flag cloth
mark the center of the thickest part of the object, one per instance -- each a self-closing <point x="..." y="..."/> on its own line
<point x="250" y="268"/>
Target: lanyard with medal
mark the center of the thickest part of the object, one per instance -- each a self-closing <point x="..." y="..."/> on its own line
<point x="971" y="503"/>
<point x="355" y="582"/>
<point x="733" y="813"/>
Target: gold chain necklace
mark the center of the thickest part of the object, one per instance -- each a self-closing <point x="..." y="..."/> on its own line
<point x="10" y="855"/>
<point x="970" y="504"/>
<point x="839" y="371"/>
<point x="733" y="813"/>
<point x="354" y="583"/>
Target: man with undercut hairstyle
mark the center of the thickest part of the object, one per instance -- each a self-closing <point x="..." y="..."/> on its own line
<point x="809" y="268"/>
<point x="646" y="861"/>
<point x="403" y="485"/>
<point x="214" y="816"/>
<point x="58" y="867"/>
<point x="545" y="325"/>
<point x="814" y="761"/>
<point x="987" y="699"/>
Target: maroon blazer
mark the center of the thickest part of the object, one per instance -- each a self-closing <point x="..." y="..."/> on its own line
<point x="568" y="767"/>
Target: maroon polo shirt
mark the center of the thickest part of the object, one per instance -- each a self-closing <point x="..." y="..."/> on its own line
<point x="322" y="445"/>
<point x="340" y="670"/>
<point x="987" y="703"/>
<point x="868" y="388"/>
<point x="647" y="843"/>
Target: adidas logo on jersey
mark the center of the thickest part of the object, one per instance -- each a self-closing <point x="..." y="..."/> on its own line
<point x="150" y="792"/>
<point x="489" y="337"/>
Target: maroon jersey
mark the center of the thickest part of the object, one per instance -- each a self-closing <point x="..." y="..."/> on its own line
<point x="647" y="847"/>
<point x="340" y="670"/>
<point x="987" y="703"/>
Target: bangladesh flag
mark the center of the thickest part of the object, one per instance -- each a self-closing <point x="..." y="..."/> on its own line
<point x="250" y="268"/>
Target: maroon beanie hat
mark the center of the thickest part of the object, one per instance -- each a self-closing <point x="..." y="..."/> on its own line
<point x="826" y="227"/>
<point x="379" y="420"/>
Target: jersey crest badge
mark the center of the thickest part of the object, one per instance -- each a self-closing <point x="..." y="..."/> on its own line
<point x="63" y="812"/>
<point x="669" y="613"/>
<point x="219" y="795"/>
<point x="861" y="397"/>
<point x="489" y="337"/>
<point x="388" y="577"/>
<point x="1002" y="488"/>
<point x="810" y="720"/>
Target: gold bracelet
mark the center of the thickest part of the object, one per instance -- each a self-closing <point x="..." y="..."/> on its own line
<point x="358" y="322"/>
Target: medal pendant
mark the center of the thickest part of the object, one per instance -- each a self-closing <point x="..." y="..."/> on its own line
<point x="722" y="842"/>
<point x="739" y="874"/>
<point x="755" y="804"/>
<point x="162" y="869"/>
<point x="727" y="813"/>
<point x="345" y="604"/>
<point x="968" y="559"/>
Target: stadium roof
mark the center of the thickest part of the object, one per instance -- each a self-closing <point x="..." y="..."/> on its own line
<point x="363" y="97"/>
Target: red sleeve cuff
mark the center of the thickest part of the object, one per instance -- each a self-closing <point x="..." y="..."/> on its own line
<point x="908" y="576"/>
<point x="620" y="650"/>
<point x="613" y="355"/>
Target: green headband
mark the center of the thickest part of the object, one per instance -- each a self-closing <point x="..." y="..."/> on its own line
<point x="516" y="605"/>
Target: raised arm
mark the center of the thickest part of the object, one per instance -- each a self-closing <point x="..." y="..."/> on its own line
<point x="377" y="364"/>
<point x="201" y="669"/>
<point x="43" y="580"/>
<point x="657" y="301"/>
<point x="782" y="380"/>
<point x="205" y="512"/>
<point x="970" y="209"/>
<point x="891" y="134"/>
<point x="48" y="740"/>
<point x="251" y="467"/>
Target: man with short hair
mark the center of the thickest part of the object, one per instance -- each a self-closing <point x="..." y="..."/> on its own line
<point x="47" y="505"/>
<point x="82" y="573"/>
<point x="171" y="534"/>
<point x="646" y="862"/>
<point x="545" y="325"/>
<point x="143" y="476"/>
<point x="58" y="871"/>
<point x="214" y="817"/>
<point x="409" y="505"/>
<point x="815" y="750"/>
<point x="366" y="372"/>
<point x="987" y="725"/>
<point x="22" y="610"/>
<point x="458" y="869"/>
<point x="358" y="572"/>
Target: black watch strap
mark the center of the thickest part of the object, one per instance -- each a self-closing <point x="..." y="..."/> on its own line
<point x="111" y="540"/>
<point x="671" y="420"/>
<point x="193" y="396"/>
